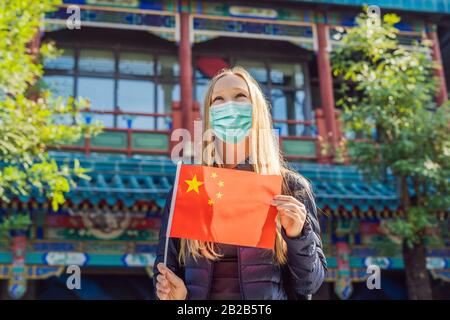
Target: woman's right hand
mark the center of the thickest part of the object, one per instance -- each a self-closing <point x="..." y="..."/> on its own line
<point x="168" y="285"/>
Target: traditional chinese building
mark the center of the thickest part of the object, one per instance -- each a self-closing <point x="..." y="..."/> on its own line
<point x="145" y="66"/>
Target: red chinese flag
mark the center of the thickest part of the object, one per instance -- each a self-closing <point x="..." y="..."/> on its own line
<point x="224" y="205"/>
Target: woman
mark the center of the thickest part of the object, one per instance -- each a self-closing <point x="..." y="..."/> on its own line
<point x="238" y="116"/>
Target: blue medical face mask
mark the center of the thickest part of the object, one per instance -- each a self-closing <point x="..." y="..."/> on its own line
<point x="231" y="121"/>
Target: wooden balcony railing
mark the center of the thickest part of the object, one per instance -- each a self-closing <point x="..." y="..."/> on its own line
<point x="300" y="147"/>
<point x="125" y="140"/>
<point x="157" y="141"/>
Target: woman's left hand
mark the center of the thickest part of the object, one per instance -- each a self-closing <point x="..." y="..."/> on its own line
<point x="292" y="214"/>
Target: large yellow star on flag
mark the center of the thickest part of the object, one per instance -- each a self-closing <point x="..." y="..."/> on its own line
<point x="193" y="184"/>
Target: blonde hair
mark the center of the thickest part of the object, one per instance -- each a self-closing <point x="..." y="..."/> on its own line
<point x="264" y="154"/>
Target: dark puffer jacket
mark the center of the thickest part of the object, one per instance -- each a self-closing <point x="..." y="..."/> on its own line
<point x="260" y="277"/>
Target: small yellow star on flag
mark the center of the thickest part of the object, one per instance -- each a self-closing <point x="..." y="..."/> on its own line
<point x="210" y="202"/>
<point x="219" y="195"/>
<point x="213" y="175"/>
<point x="220" y="183"/>
<point x="193" y="184"/>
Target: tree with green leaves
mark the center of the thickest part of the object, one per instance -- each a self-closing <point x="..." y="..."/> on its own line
<point x="387" y="93"/>
<point x="30" y="117"/>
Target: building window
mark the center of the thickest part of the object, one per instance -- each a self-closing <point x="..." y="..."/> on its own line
<point x="137" y="96"/>
<point x="114" y="80"/>
<point x="285" y="85"/>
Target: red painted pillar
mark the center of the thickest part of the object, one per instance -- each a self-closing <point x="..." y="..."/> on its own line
<point x="35" y="45"/>
<point x="441" y="95"/>
<point x="177" y="117"/>
<point x="17" y="282"/>
<point x="177" y="121"/>
<point x="326" y="82"/>
<point x="129" y="143"/>
<point x="322" y="133"/>
<point x="185" y="60"/>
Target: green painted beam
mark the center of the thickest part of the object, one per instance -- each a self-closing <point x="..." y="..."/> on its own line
<point x="150" y="141"/>
<point x="110" y="140"/>
<point x="299" y="148"/>
<point x="432" y="6"/>
<point x="118" y="260"/>
<point x="5" y="257"/>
